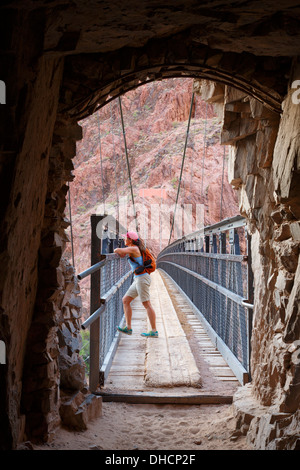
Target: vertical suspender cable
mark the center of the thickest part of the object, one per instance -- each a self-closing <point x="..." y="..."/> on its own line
<point x="115" y="162"/>
<point x="192" y="163"/>
<point x="102" y="182"/>
<point x="71" y="228"/>
<point x="128" y="166"/>
<point x="182" y="164"/>
<point x="145" y="229"/>
<point x="204" y="154"/>
<point x="221" y="203"/>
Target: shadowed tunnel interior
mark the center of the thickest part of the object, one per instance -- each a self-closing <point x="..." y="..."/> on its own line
<point x="60" y="63"/>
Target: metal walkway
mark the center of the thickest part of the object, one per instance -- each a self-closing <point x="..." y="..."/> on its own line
<point x="180" y="366"/>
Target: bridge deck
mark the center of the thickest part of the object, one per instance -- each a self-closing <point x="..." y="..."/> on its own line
<point x="181" y="365"/>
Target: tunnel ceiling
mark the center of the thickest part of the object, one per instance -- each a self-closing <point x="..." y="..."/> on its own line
<point x="261" y="27"/>
<point x="91" y="80"/>
<point x="111" y="47"/>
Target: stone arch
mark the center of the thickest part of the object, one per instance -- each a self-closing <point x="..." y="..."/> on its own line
<point x="78" y="101"/>
<point x="92" y="80"/>
<point x="253" y="178"/>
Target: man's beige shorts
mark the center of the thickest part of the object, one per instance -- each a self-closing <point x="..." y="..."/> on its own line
<point x="140" y="287"/>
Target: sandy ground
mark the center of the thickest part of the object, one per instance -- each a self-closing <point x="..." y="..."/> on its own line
<point x="154" y="427"/>
<point x="126" y="427"/>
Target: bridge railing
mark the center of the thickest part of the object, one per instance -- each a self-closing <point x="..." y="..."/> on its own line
<point x="217" y="279"/>
<point x="111" y="276"/>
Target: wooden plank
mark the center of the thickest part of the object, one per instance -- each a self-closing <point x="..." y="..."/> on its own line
<point x="226" y="379"/>
<point x="222" y="372"/>
<point x="215" y="360"/>
<point x="153" y="398"/>
<point x="124" y="373"/>
<point x="122" y="367"/>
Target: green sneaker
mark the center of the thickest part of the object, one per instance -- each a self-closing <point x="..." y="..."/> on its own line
<point x="126" y="330"/>
<point x="152" y="334"/>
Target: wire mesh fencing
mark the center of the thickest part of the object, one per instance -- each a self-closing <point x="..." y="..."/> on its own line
<point x="116" y="277"/>
<point x="218" y="286"/>
<point x="111" y="277"/>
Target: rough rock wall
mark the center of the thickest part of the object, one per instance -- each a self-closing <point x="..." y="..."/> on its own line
<point x="41" y="374"/>
<point x="54" y="385"/>
<point x="264" y="168"/>
<point x="31" y="108"/>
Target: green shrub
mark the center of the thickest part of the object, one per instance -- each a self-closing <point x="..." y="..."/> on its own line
<point x="85" y="349"/>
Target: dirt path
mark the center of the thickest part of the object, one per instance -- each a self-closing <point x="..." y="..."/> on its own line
<point x="149" y="427"/>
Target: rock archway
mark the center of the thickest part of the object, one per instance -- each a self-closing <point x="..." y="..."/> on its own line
<point x="62" y="62"/>
<point x="92" y="81"/>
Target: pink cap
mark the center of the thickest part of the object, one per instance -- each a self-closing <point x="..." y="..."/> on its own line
<point x="131" y="235"/>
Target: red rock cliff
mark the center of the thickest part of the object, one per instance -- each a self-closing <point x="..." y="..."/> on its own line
<point x="155" y="118"/>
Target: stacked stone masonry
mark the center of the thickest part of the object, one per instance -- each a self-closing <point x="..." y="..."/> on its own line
<point x="55" y="388"/>
<point x="269" y="196"/>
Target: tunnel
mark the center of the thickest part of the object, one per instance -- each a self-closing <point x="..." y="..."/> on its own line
<point x="63" y="61"/>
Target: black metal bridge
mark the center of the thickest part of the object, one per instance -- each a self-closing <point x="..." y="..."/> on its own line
<point x="212" y="270"/>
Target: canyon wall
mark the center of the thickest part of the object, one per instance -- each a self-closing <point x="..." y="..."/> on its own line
<point x="54" y="386"/>
<point x="155" y="120"/>
<point x="264" y="169"/>
<point x="31" y="109"/>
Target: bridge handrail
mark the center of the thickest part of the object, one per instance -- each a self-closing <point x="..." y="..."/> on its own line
<point x="91" y="270"/>
<point x="238" y="299"/>
<point x="107" y="295"/>
<point x="219" y="227"/>
<point x="104" y="299"/>
<point x="218" y="284"/>
<point x="95" y="267"/>
<point x="225" y="256"/>
<point x="109" y="281"/>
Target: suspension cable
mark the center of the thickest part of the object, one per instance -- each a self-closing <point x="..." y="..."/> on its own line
<point x="128" y="166"/>
<point x="115" y="161"/>
<point x="182" y="165"/>
<point x="192" y="162"/>
<point x="102" y="182"/>
<point x="71" y="228"/>
<point x="204" y="154"/>
<point x="221" y="202"/>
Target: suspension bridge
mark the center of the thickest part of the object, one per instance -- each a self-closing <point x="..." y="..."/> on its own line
<point x="202" y="293"/>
